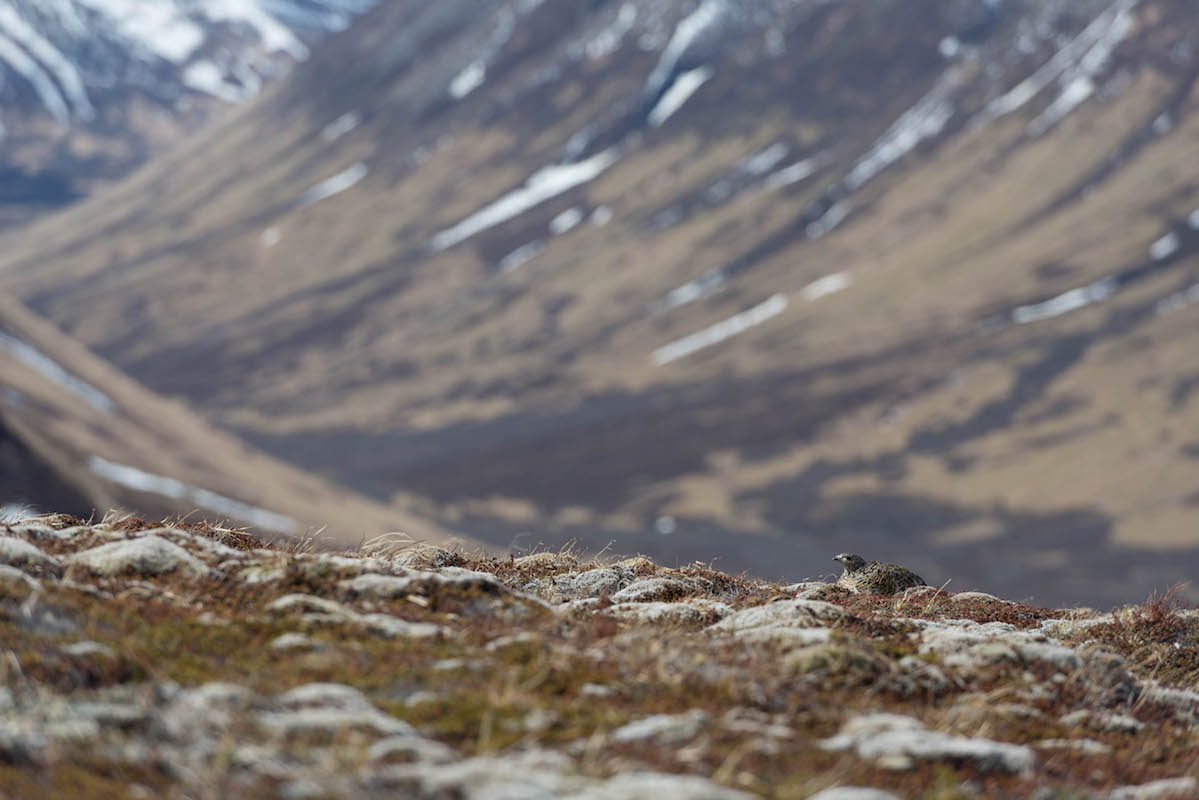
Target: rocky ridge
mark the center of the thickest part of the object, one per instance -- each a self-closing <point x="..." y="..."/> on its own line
<point x="189" y="659"/>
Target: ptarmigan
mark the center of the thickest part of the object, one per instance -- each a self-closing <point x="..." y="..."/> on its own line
<point x="874" y="577"/>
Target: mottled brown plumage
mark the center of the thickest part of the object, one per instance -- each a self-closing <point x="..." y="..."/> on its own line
<point x="875" y="577"/>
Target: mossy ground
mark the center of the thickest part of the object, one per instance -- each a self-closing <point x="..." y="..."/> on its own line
<point x="537" y="687"/>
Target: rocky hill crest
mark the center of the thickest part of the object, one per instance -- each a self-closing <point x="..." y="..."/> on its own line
<point x="190" y="659"/>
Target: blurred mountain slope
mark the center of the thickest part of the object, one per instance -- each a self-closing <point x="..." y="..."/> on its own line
<point x="74" y="431"/>
<point x="89" y="89"/>
<point x="751" y="280"/>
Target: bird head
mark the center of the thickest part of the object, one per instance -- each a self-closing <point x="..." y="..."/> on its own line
<point x="851" y="561"/>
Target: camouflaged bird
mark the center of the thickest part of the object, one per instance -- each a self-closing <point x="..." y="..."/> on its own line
<point x="874" y="577"/>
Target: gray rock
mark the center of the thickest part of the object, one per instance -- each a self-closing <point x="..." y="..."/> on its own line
<point x="147" y="555"/>
<point x="592" y="583"/>
<point x="420" y="583"/>
<point x="324" y="709"/>
<point x="89" y="648"/>
<point x="265" y="571"/>
<point x="28" y="558"/>
<point x="1165" y="789"/>
<point x="290" y="642"/>
<point x="299" y="603"/>
<point x="384" y="587"/>
<point x="660" y="588"/>
<point x="539" y="775"/>
<point x="514" y="640"/>
<point x="39" y="531"/>
<point x="913" y="675"/>
<point x="696" y="610"/>
<point x="657" y="786"/>
<point x="853" y="793"/>
<point x="966" y="597"/>
<point x="531" y="775"/>
<point x="326" y="722"/>
<point x="208" y="547"/>
<point x="1102" y="721"/>
<point x="967" y="643"/>
<point x="396" y="628"/>
<point x="1086" y="747"/>
<point x="897" y="741"/>
<point x="324" y="695"/>
<point x="407" y="749"/>
<point x="16" y="584"/>
<point x="663" y="728"/>
<point x="780" y="617"/>
<point x="125" y="716"/>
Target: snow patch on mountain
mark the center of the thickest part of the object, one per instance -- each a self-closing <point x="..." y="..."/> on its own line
<point x="334" y="185"/>
<point x="31" y="357"/>
<point x="679" y="92"/>
<point x="1078" y="60"/>
<point x="1065" y="302"/>
<point x="721" y="331"/>
<point x="69" y="52"/>
<point x="143" y="481"/>
<point x="690" y="34"/>
<point x="542" y="185"/>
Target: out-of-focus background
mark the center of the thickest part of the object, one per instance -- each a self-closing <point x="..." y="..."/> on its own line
<point x="747" y="282"/>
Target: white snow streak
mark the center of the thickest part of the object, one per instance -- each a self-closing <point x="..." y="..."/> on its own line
<point x="608" y="40"/>
<point x="341" y="126"/>
<point x="41" y="82"/>
<point x="830" y="220"/>
<point x="1066" y="302"/>
<point x="925" y="119"/>
<point x="142" y="481"/>
<point x="762" y="162"/>
<point x="679" y="92"/>
<point x="791" y="174"/>
<point x="542" y="185"/>
<point x="1083" y="56"/>
<point x="1178" y="300"/>
<point x="691" y="291"/>
<point x="1193" y="220"/>
<point x="207" y="77"/>
<point x="1165" y="247"/>
<point x="335" y="185"/>
<point x="161" y="29"/>
<point x="565" y="221"/>
<point x="275" y="36"/>
<point x="32" y="357"/>
<point x="721" y="331"/>
<point x="689" y="29"/>
<point x="521" y="256"/>
<point x="59" y="65"/>
<point x="829" y="284"/>
<point x="469" y="79"/>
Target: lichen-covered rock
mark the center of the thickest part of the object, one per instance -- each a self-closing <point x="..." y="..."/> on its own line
<point x="27" y="558"/>
<point x="854" y="793"/>
<point x="16" y="584"/>
<point x="782" y="618"/>
<point x="696" y="610"/>
<point x="658" y="588"/>
<point x="898" y="741"/>
<point x="146" y="555"/>
<point x="662" y="728"/>
<point x="1165" y="789"/>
